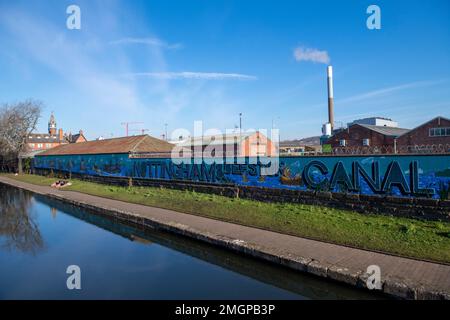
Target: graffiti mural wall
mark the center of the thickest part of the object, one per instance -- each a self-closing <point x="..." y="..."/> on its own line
<point x="412" y="175"/>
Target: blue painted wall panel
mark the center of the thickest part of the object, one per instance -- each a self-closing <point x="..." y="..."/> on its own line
<point x="411" y="175"/>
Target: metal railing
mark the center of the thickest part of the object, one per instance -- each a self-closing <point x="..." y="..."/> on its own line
<point x="408" y="149"/>
<point x="360" y="150"/>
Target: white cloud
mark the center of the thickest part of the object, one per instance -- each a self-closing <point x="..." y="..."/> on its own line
<point x="386" y="91"/>
<point x="193" y="75"/>
<point x="384" y="99"/>
<point x="96" y="89"/>
<point x="311" y="54"/>
<point x="147" y="41"/>
<point x="88" y="82"/>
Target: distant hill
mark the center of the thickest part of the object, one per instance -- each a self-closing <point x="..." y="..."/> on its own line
<point x="310" y="141"/>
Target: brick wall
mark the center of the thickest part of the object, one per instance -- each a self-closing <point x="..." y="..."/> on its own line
<point x="257" y="145"/>
<point x="421" y="134"/>
<point x="355" y="134"/>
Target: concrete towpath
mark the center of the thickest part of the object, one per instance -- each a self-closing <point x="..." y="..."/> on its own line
<point x="400" y="277"/>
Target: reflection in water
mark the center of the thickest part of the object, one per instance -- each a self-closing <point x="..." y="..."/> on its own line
<point x="53" y="211"/>
<point x="18" y="229"/>
<point x="211" y="268"/>
<point x="302" y="284"/>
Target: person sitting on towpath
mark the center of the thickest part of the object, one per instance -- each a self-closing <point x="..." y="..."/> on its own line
<point x="61" y="184"/>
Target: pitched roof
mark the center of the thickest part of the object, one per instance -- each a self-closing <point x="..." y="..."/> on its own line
<point x="387" y="131"/>
<point x="52" y="138"/>
<point x="133" y="144"/>
<point x="425" y="123"/>
<point x="43" y="138"/>
<point x="72" y="138"/>
<point x="219" y="139"/>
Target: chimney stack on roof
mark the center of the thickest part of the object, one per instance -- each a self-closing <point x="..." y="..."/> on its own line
<point x="60" y="134"/>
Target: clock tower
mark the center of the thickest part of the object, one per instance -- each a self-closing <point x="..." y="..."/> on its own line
<point x="52" y="125"/>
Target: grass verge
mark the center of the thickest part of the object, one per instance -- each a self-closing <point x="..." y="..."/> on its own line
<point x="428" y="240"/>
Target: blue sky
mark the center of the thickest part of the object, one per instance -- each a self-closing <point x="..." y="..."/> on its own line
<point x="179" y="61"/>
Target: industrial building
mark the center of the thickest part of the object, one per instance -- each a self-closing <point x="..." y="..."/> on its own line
<point x="245" y="144"/>
<point x="382" y="135"/>
<point x="108" y="157"/>
<point x="366" y="136"/>
<point x="431" y="133"/>
<point x="375" y="121"/>
<point x="147" y="157"/>
<point x="432" y="136"/>
<point x="133" y="145"/>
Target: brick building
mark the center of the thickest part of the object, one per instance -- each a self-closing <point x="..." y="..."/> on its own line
<point x="76" y="138"/>
<point x="245" y="144"/>
<point x="364" y="136"/>
<point x="433" y="132"/>
<point x="432" y="136"/>
<point x="53" y="138"/>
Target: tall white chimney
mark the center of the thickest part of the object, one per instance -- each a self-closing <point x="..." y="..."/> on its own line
<point x="330" y="97"/>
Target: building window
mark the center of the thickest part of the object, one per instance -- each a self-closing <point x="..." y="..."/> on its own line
<point x="366" y="142"/>
<point x="32" y="145"/>
<point x="39" y="145"/>
<point x="342" y="143"/>
<point x="48" y="145"/>
<point x="439" y="132"/>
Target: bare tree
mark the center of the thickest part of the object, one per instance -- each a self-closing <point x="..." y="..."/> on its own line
<point x="17" y="121"/>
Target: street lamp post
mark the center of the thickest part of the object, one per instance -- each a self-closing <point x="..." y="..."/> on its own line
<point x="240" y="123"/>
<point x="165" y="125"/>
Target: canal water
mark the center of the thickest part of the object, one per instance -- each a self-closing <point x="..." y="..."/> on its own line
<point x="41" y="237"/>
